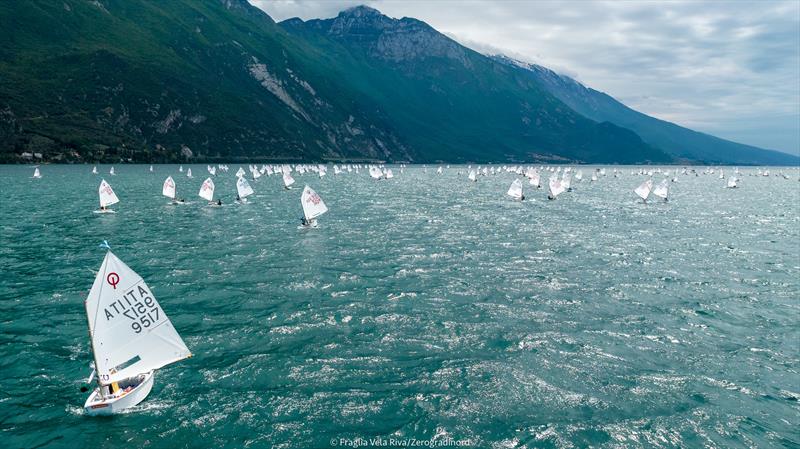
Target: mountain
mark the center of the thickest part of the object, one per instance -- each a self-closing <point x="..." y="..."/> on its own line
<point x="451" y="103"/>
<point x="213" y="80"/>
<point x="678" y="141"/>
<point x="111" y="80"/>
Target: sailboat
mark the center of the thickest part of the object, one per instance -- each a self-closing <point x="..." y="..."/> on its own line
<point x="662" y="190"/>
<point x="180" y="169"/>
<point x="732" y="182"/>
<point x="36" y="173"/>
<point x="556" y="187"/>
<point x="189" y="173"/>
<point x="515" y="191"/>
<point x="243" y="189"/>
<point x="207" y="190"/>
<point x="94" y="170"/>
<point x="287" y="180"/>
<point x="168" y="190"/>
<point x="644" y="189"/>
<point x="389" y="174"/>
<point x="151" y="169"/>
<point x="472" y="177"/>
<point x="313" y="207"/>
<point x="240" y="172"/>
<point x="535" y="179"/>
<point x="131" y="337"/>
<point x="111" y="172"/>
<point x="107" y="198"/>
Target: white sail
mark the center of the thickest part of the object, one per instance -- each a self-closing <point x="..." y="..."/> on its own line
<point x="535" y="178"/>
<point x="579" y="175"/>
<point x="256" y="174"/>
<point x="732" y="182"/>
<point x="151" y="169"/>
<point x="389" y="174"/>
<point x="36" y="173"/>
<point x="207" y="190"/>
<point x="240" y="172"/>
<point x="439" y="171"/>
<point x="556" y="187"/>
<point x="107" y="195"/>
<point x="313" y="206"/>
<point x="189" y="173"/>
<point x="375" y="173"/>
<point x="169" y="188"/>
<point x="243" y="188"/>
<point x="515" y="191"/>
<point x="287" y="179"/>
<point x="111" y="172"/>
<point x="566" y="180"/>
<point x="130" y="332"/>
<point x="662" y="189"/>
<point x="180" y="169"/>
<point x="472" y="176"/>
<point x="644" y="189"/>
<point x="94" y="170"/>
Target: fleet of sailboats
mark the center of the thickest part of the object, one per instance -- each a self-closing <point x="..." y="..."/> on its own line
<point x="132" y="337"/>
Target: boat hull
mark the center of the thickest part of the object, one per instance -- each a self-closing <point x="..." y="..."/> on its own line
<point x="97" y="406"/>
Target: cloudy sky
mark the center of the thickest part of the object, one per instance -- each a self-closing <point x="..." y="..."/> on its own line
<point x="729" y="68"/>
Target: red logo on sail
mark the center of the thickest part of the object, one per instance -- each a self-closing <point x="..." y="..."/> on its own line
<point x="313" y="198"/>
<point x="113" y="279"/>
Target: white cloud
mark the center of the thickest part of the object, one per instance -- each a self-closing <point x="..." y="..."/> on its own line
<point x="708" y="65"/>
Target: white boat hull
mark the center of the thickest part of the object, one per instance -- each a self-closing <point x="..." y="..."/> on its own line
<point x="107" y="211"/>
<point x="98" y="406"/>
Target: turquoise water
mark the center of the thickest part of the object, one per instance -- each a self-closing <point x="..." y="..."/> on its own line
<point x="423" y="307"/>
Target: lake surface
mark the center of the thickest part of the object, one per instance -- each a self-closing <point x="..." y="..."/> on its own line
<point x="423" y="307"/>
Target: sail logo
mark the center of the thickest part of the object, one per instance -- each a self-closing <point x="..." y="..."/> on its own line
<point x="313" y="198"/>
<point x="113" y="279"/>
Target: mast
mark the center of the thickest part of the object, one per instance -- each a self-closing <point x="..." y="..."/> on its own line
<point x="91" y="338"/>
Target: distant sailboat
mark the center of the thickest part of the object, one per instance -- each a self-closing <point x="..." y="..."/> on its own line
<point x="579" y="175"/>
<point x="556" y="187"/>
<point x="389" y="174"/>
<point x="151" y="169"/>
<point x="662" y="190"/>
<point x="168" y="190"/>
<point x="535" y="179"/>
<point x="94" y="170"/>
<point x="472" y="176"/>
<point x="732" y="182"/>
<point x="107" y="198"/>
<point x="180" y="169"/>
<point x="243" y="189"/>
<point x="240" y="172"/>
<point x="189" y="173"/>
<point x="313" y="207"/>
<point x="644" y="189"/>
<point x="207" y="191"/>
<point x="287" y="180"/>
<point x="111" y="172"/>
<point x="515" y="191"/>
<point x="131" y="337"/>
<point x="36" y="173"/>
